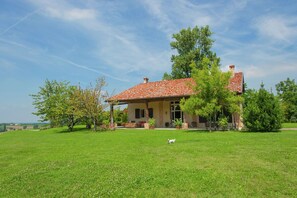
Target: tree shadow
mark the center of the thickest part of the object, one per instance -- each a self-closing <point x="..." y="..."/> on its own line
<point x="276" y="131"/>
<point x="197" y="131"/>
<point x="78" y="129"/>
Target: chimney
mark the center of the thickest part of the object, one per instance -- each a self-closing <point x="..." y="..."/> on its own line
<point x="145" y="80"/>
<point x="231" y="69"/>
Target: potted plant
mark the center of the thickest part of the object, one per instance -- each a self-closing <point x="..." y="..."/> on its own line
<point x="152" y="123"/>
<point x="178" y="123"/>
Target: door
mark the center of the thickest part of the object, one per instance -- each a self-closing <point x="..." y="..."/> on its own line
<point x="176" y="112"/>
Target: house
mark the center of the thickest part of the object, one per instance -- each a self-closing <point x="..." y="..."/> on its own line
<point x="160" y="100"/>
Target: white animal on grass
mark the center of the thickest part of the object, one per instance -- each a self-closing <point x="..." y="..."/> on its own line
<point x="171" y="141"/>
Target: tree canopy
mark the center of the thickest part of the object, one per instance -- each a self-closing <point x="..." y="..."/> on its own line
<point x="191" y="45"/>
<point x="212" y="97"/>
<point x="287" y="92"/>
<point x="262" y="111"/>
<point x="61" y="103"/>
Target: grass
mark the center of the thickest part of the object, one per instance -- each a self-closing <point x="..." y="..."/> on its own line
<point x="140" y="163"/>
<point x="289" y="125"/>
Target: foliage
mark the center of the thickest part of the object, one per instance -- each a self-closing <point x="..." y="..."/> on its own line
<point x="178" y="123"/>
<point x="103" y="118"/>
<point x="212" y="95"/>
<point x="152" y="122"/>
<point x="287" y="92"/>
<point x="167" y="76"/>
<point x="93" y="101"/>
<point x="120" y="116"/>
<point x="262" y="111"/>
<point x="223" y="123"/>
<point x="192" y="45"/>
<point x="2" y="127"/>
<point x="139" y="163"/>
<point x="56" y="102"/>
<point x="60" y="103"/>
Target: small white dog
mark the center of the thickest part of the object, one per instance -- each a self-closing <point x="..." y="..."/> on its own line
<point x="171" y="141"/>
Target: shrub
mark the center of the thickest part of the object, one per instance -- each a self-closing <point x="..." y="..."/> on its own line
<point x="152" y="122"/>
<point x="223" y="123"/>
<point x="178" y="123"/>
<point x="262" y="111"/>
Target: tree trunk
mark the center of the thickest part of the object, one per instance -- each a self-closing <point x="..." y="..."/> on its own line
<point x="209" y="124"/>
<point x="111" y="117"/>
<point x="95" y="126"/>
<point x="71" y="123"/>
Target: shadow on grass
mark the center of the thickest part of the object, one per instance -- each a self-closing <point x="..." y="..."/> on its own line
<point x="278" y="131"/>
<point x="198" y="131"/>
<point x="77" y="129"/>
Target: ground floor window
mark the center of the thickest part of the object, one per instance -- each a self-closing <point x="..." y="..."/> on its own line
<point x="140" y="113"/>
<point x="176" y="112"/>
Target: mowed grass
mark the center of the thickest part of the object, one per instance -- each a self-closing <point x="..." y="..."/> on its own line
<point x="140" y="163"/>
<point x="289" y="125"/>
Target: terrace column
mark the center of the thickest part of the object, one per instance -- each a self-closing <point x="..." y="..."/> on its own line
<point x="111" y="116"/>
<point x="146" y="111"/>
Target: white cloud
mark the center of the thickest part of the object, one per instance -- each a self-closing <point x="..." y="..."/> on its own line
<point x="63" y="10"/>
<point x="71" y="14"/>
<point x="277" y="27"/>
<point x="156" y="9"/>
<point x="254" y="72"/>
<point x="119" y="47"/>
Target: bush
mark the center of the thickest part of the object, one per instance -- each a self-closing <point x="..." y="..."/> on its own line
<point x="262" y="111"/>
<point x="152" y="122"/>
<point x="178" y="123"/>
<point x="223" y="123"/>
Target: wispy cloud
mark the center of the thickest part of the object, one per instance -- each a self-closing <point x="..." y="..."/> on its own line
<point x="277" y="27"/>
<point x="119" y="47"/>
<point x="14" y="43"/>
<point x="71" y="14"/>
<point x="88" y="68"/>
<point x="19" y="21"/>
<point x="64" y="10"/>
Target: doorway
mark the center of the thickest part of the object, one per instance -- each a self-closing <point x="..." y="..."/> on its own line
<point x="176" y="112"/>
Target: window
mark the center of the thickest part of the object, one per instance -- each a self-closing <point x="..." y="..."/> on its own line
<point x="176" y="112"/>
<point x="151" y="112"/>
<point x="140" y="113"/>
<point x="202" y="119"/>
<point x="137" y="113"/>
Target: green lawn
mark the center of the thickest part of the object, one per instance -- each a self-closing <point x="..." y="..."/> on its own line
<point x="140" y="163"/>
<point x="289" y="125"/>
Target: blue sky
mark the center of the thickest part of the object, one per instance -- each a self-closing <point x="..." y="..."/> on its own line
<point x="124" y="41"/>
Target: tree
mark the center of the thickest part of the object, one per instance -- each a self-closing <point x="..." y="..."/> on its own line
<point x="93" y="101"/>
<point x="74" y="112"/>
<point x="262" y="111"/>
<point x="49" y="102"/>
<point x="192" y="45"/>
<point x="287" y="92"/>
<point x="56" y="102"/>
<point x="212" y="96"/>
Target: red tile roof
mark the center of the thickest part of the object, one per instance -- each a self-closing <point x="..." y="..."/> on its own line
<point x="169" y="89"/>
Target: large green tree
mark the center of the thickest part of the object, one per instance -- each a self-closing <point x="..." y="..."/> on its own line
<point x="93" y="101"/>
<point x="262" y="111"/>
<point x="287" y="92"/>
<point x="191" y="45"/>
<point x="212" y="97"/>
<point x="56" y="103"/>
<point x="49" y="101"/>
